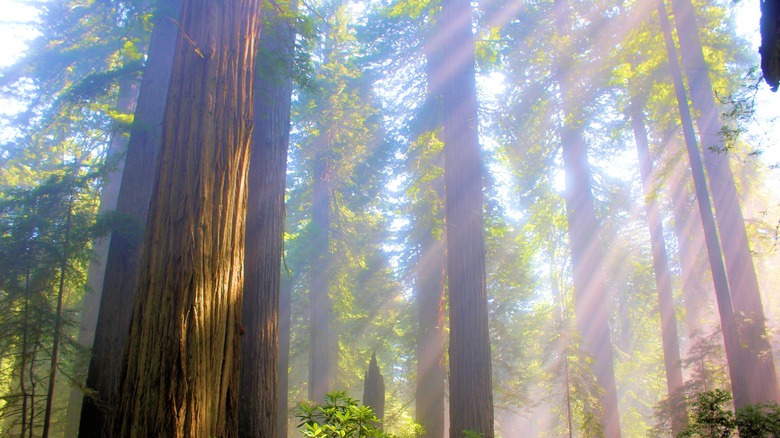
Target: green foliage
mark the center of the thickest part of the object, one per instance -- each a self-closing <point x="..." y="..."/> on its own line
<point x="340" y="416"/>
<point x="712" y="416"/>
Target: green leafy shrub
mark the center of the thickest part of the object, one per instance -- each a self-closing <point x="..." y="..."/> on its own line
<point x="712" y="417"/>
<point x="340" y="416"/>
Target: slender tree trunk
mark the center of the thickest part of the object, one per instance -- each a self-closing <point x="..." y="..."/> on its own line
<point x="90" y="305"/>
<point x="285" y="314"/>
<point x="734" y="352"/>
<point x="591" y="299"/>
<point x="670" y="339"/>
<point x="322" y="349"/>
<point x="265" y="227"/>
<point x="55" y="347"/>
<point x="180" y="376"/>
<point x="121" y="270"/>
<point x="471" y="393"/>
<point x="745" y="294"/>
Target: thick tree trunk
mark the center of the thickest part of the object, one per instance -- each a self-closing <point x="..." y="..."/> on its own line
<point x="180" y="376"/>
<point x="124" y="251"/>
<point x="591" y="299"/>
<point x="669" y="337"/>
<point x="770" y="42"/>
<point x="322" y="349"/>
<point x="471" y="393"/>
<point x="735" y="354"/>
<point x="265" y="227"/>
<point x="745" y="294"/>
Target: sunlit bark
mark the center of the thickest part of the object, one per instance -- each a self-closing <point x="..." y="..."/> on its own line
<point x="180" y="376"/>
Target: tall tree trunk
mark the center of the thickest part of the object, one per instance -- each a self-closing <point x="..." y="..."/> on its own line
<point x="735" y="354"/>
<point x="669" y="337"/>
<point x="265" y="226"/>
<point x="471" y="389"/>
<point x="591" y="300"/>
<point x="431" y="341"/>
<point x="90" y="305"/>
<point x="374" y="390"/>
<point x="285" y="315"/>
<point x="121" y="270"/>
<point x="322" y="349"/>
<point x="745" y="294"/>
<point x="180" y="375"/>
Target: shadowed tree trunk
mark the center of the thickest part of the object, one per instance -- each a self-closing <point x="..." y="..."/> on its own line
<point x="471" y="394"/>
<point x="124" y="251"/>
<point x="374" y="389"/>
<point x="743" y="284"/>
<point x="591" y="300"/>
<point x="265" y="226"/>
<point x="180" y="375"/>
<point x="734" y="351"/>
<point x="663" y="281"/>
<point x="770" y="42"/>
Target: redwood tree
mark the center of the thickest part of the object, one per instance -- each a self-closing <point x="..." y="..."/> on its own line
<point x="741" y="273"/>
<point x="471" y="393"/>
<point x="265" y="227"/>
<point x="124" y="252"/>
<point x="180" y="372"/>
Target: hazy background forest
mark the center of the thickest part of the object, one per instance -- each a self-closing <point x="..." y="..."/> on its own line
<point x="579" y="121"/>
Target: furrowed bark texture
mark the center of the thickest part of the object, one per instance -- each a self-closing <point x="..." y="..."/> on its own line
<point x="669" y="337"/>
<point x="735" y="354"/>
<point x="180" y="377"/>
<point x="471" y="394"/>
<point x="591" y="298"/>
<point x="285" y="314"/>
<point x="265" y="228"/>
<point x="124" y="253"/>
<point x="743" y="283"/>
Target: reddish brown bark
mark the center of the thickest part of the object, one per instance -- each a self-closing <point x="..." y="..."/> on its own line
<point x="471" y="394"/>
<point x="124" y="253"/>
<point x="265" y="228"/>
<point x="180" y="376"/>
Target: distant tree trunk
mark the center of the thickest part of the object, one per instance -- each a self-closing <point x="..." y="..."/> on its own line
<point x="322" y="349"/>
<point x="180" y="375"/>
<point x="735" y="354"/>
<point x="124" y="251"/>
<point x="663" y="281"/>
<point x="694" y="268"/>
<point x="285" y="314"/>
<point x="90" y="305"/>
<point x="745" y="294"/>
<point x="431" y="341"/>
<point x="471" y="393"/>
<point x="265" y="226"/>
<point x="374" y="389"/>
<point x="591" y="300"/>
